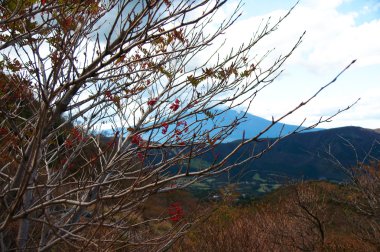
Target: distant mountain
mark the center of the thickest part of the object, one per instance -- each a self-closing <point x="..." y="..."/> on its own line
<point x="300" y="156"/>
<point x="306" y="155"/>
<point x="251" y="125"/>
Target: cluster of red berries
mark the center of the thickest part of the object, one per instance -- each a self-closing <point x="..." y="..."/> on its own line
<point x="69" y="165"/>
<point x="3" y="131"/>
<point x="152" y="102"/>
<point x="136" y="139"/>
<point x="74" y="136"/>
<point x="165" y="126"/>
<point x="175" y="211"/>
<point x="175" y="105"/>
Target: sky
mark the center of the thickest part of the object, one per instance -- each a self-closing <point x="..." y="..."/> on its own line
<point x="337" y="32"/>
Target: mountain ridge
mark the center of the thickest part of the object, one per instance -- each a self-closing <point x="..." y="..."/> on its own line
<point x="311" y="154"/>
<point x="253" y="125"/>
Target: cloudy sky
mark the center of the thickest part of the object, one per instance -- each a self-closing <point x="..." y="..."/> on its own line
<point x="337" y="31"/>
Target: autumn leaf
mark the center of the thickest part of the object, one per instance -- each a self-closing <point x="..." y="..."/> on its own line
<point x="209" y="114"/>
<point x="211" y="141"/>
<point x="120" y="59"/>
<point x="193" y="81"/>
<point x="165" y="72"/>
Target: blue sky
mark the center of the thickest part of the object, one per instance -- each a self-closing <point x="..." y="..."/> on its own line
<point x="337" y="31"/>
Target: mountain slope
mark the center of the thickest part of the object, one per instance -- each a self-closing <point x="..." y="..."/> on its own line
<point x="306" y="155"/>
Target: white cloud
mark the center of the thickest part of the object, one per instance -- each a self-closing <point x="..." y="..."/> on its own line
<point x="332" y="41"/>
<point x="332" y="38"/>
<point x="322" y="4"/>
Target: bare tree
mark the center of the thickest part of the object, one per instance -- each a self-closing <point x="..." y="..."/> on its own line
<point x="364" y="181"/>
<point x="292" y="219"/>
<point x="142" y="68"/>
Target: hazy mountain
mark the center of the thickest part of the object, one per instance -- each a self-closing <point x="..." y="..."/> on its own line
<point x="251" y="125"/>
